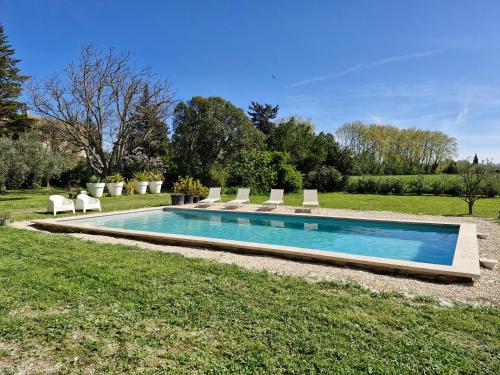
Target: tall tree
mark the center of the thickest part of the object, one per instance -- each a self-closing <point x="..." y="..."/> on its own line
<point x="96" y="103"/>
<point x="262" y="116"/>
<point x="475" y="160"/>
<point x="149" y="131"/>
<point x="296" y="137"/>
<point x="208" y="133"/>
<point x="12" y="120"/>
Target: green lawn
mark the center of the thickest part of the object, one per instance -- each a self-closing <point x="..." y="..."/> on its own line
<point x="32" y="204"/>
<point x="79" y="307"/>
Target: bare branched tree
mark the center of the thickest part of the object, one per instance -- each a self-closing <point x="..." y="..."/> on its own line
<point x="93" y="105"/>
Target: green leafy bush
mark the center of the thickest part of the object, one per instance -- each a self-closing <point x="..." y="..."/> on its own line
<point x="367" y="185"/>
<point x="385" y="186"/>
<point x="417" y="185"/>
<point x="142" y="176"/>
<point x="325" y="179"/>
<point x="289" y="178"/>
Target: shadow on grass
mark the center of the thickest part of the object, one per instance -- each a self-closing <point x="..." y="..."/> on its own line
<point x="7" y="199"/>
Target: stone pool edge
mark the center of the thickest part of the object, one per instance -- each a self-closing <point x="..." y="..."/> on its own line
<point x="465" y="262"/>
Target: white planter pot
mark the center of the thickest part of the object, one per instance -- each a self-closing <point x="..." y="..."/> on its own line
<point x="142" y="186"/>
<point x="115" y="188"/>
<point x="96" y="189"/>
<point x="155" y="187"/>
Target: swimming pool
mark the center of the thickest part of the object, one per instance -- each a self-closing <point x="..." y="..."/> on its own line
<point x="413" y="242"/>
<point x="429" y="248"/>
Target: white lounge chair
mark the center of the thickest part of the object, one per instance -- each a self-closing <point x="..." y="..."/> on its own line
<point x="213" y="196"/>
<point x="242" y="197"/>
<point x="85" y="202"/>
<point x="57" y="203"/>
<point x="275" y="199"/>
<point x="310" y="199"/>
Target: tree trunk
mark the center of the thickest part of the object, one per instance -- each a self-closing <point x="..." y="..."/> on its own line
<point x="471" y="204"/>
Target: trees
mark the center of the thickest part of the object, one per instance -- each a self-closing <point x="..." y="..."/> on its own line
<point x="387" y="149"/>
<point x="12" y="122"/>
<point x="295" y="137"/>
<point x="149" y="130"/>
<point x="473" y="181"/>
<point x="261" y="116"/>
<point x="97" y="103"/>
<point x="208" y="133"/>
<point x="27" y="161"/>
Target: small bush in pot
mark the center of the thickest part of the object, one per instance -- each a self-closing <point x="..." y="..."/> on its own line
<point x="131" y="187"/>
<point x="142" y="179"/>
<point x="155" y="181"/>
<point x="5" y="218"/>
<point x="115" y="183"/>
<point x="178" y="192"/>
<point x="199" y="191"/>
<point x="95" y="186"/>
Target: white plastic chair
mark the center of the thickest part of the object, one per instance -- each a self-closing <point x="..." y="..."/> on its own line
<point x="57" y="203"/>
<point x="242" y="197"/>
<point x="310" y="198"/>
<point x="275" y="199"/>
<point x="213" y="196"/>
<point x="85" y="202"/>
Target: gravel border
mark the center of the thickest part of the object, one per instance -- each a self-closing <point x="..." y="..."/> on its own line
<point x="486" y="289"/>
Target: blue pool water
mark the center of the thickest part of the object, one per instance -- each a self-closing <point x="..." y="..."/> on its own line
<point x="414" y="242"/>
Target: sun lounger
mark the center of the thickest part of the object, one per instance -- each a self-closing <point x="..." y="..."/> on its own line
<point x="242" y="197"/>
<point x="275" y="199"/>
<point x="213" y="197"/>
<point x="310" y="199"/>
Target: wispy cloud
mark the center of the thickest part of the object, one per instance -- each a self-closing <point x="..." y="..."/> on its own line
<point x="363" y="66"/>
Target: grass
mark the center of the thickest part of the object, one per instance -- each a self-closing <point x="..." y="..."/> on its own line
<point x="32" y="204"/>
<point x="71" y="306"/>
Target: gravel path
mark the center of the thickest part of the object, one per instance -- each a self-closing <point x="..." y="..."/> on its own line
<point x="486" y="289"/>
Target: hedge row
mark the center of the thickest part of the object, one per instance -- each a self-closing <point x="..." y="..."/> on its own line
<point x="417" y="185"/>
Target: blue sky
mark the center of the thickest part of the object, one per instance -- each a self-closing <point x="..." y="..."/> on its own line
<point x="427" y="64"/>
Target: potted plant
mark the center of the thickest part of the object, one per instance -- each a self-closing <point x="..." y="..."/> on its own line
<point x="155" y="182"/>
<point x="199" y="191"/>
<point x="4" y="218"/>
<point x="114" y="184"/>
<point x="131" y="187"/>
<point x="141" y="179"/>
<point x="188" y="190"/>
<point x="178" y="192"/>
<point x="95" y="186"/>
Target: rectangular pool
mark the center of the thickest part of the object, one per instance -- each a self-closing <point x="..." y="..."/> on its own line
<point x="424" y="243"/>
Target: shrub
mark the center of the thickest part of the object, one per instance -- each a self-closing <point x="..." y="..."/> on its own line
<point x="438" y="187"/>
<point x="491" y="187"/>
<point x="154" y="176"/>
<point x="398" y="186"/>
<point x="139" y="162"/>
<point x="188" y="185"/>
<point x="131" y="187"/>
<point x="218" y="176"/>
<point x="325" y="179"/>
<point x="351" y="186"/>
<point x="289" y="178"/>
<point x="417" y="185"/>
<point x="385" y="186"/>
<point x="367" y="185"/>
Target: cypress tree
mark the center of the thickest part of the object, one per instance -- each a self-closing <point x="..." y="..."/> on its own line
<point x="12" y="120"/>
